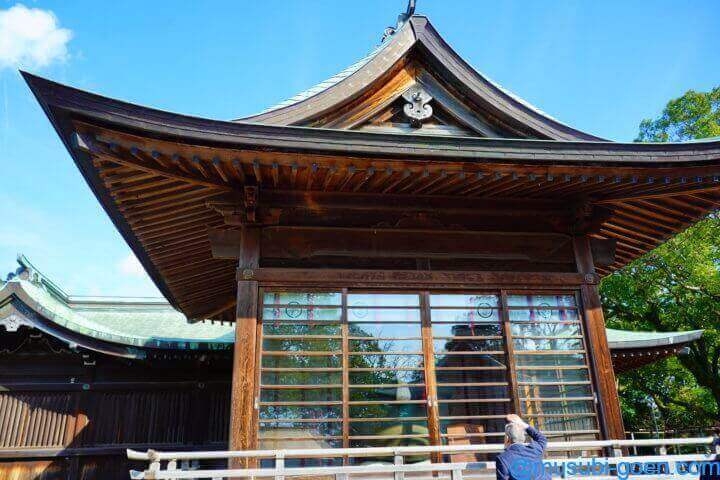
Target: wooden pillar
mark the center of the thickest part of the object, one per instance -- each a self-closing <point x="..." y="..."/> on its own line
<point x="243" y="425"/>
<point x="611" y="423"/>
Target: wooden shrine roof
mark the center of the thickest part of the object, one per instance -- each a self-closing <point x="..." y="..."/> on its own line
<point x="466" y="146"/>
<point x="158" y="173"/>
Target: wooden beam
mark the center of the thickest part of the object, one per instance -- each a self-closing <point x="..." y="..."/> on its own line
<point x="410" y="278"/>
<point x="243" y="415"/>
<point x="611" y="422"/>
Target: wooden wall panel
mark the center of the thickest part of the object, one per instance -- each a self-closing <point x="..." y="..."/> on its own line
<point x="34" y="419"/>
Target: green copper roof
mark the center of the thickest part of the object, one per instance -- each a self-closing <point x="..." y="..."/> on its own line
<point x="153" y="323"/>
<point x="137" y="322"/>
<point x="626" y="339"/>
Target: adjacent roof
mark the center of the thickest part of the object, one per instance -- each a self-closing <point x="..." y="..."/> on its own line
<point x="159" y="175"/>
<point x="105" y="324"/>
<point x="128" y="327"/>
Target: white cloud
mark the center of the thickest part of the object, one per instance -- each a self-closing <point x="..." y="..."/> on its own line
<point x="31" y="38"/>
<point x="131" y="267"/>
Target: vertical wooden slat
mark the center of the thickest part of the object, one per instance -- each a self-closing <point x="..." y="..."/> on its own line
<point x="345" y="328"/>
<point x="611" y="423"/>
<point x="510" y="355"/>
<point x="243" y="435"/>
<point x="429" y="364"/>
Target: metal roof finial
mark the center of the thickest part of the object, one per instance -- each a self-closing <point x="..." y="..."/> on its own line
<point x="402" y="18"/>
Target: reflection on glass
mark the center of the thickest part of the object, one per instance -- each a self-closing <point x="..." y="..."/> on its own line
<point x="469" y="317"/>
<point x="464" y="300"/>
<point x="385" y="330"/>
<point x="543" y="315"/>
<point x="301" y="361"/>
<point x="565" y="375"/>
<point x="545" y="330"/>
<point x="302" y="298"/>
<point x="301" y="378"/>
<point x="371" y="315"/>
<point x="315" y="394"/>
<point x="548" y="344"/>
<point x="541" y="300"/>
<point x="554" y="391"/>
<point x="362" y="300"/>
<point x="307" y="314"/>
<point x="467" y="345"/>
<point x="302" y="345"/>
<point x="526" y="359"/>
<point x="391" y="345"/>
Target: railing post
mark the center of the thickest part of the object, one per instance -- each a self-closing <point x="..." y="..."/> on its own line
<point x="632" y="437"/>
<point x="399" y="460"/>
<point x="154" y="461"/>
<point x="279" y="465"/>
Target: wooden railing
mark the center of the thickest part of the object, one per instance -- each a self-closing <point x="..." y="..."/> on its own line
<point x="164" y="465"/>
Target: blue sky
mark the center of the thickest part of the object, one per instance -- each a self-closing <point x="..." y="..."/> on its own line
<point x="599" y="66"/>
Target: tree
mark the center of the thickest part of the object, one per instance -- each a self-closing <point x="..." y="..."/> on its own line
<point x="675" y="287"/>
<point x="694" y="115"/>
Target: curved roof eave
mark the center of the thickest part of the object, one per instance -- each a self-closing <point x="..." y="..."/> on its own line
<point x="632" y="340"/>
<point x="61" y="102"/>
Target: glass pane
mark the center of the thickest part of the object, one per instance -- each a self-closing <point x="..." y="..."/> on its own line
<point x="382" y="377"/>
<point x="466" y="330"/>
<point x="385" y="330"/>
<point x="307" y="314"/>
<point x="464" y="300"/>
<point x="302" y="298"/>
<point x="394" y="345"/>
<point x="472" y="392"/>
<point x="467" y="345"/>
<point x="548" y="344"/>
<point x="383" y="315"/>
<point x="302" y="345"/>
<point x="300" y="329"/>
<point x="578" y="375"/>
<point x="300" y="429"/>
<point x="534" y="315"/>
<point x="295" y="412"/>
<point x="461" y="427"/>
<point x="389" y="428"/>
<point x="385" y="361"/>
<point x="388" y="410"/>
<point x="275" y="439"/>
<point x="386" y="393"/>
<point x="470" y="376"/>
<point x="383" y="300"/>
<point x="549" y="360"/>
<point x="470" y="360"/>
<point x="545" y="330"/>
<point x="541" y="300"/>
<point x="554" y="391"/>
<point x="301" y="378"/>
<point x="269" y="394"/>
<point x="301" y="361"/>
<point x="564" y="424"/>
<point x="557" y="407"/>
<point x="468" y="317"/>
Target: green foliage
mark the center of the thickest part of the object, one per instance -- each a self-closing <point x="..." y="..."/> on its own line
<point x="694" y="115"/>
<point x="675" y="287"/>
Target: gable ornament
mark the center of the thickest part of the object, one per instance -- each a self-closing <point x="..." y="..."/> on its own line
<point x="417" y="109"/>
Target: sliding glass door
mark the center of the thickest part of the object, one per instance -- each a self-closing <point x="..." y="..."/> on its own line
<point x="352" y="368"/>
